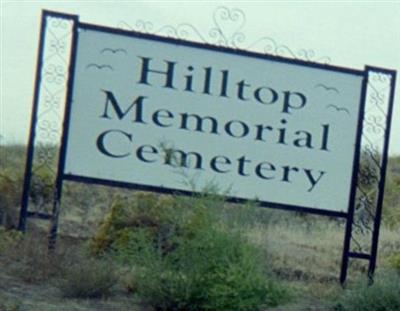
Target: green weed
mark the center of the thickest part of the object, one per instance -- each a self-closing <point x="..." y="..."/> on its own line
<point x="192" y="261"/>
<point x="382" y="295"/>
<point x="394" y="262"/>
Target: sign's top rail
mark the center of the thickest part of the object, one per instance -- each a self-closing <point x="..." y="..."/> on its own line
<point x="56" y="14"/>
<point x="223" y="49"/>
<point x="208" y="46"/>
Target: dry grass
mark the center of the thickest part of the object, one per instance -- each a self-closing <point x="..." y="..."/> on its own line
<point x="308" y="255"/>
<point x="31" y="278"/>
<point x="305" y="252"/>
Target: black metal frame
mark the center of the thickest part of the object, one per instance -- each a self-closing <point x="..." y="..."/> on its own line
<point x="348" y="253"/>
<point x="372" y="207"/>
<point x="38" y="94"/>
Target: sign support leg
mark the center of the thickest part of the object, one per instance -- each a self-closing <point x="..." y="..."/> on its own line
<point x="32" y="133"/>
<point x="381" y="165"/>
<point x="384" y="162"/>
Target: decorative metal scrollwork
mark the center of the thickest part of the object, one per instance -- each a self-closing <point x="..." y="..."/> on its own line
<point x="374" y="128"/>
<point x="55" y="74"/>
<point x="228" y="31"/>
<point x="57" y="47"/>
<point x="228" y="25"/>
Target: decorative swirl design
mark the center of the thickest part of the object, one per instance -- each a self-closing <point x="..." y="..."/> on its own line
<point x="140" y="26"/>
<point x="365" y="200"/>
<point x="186" y="31"/>
<point x="168" y="31"/>
<point x="367" y="176"/>
<point x="49" y="130"/>
<point x="51" y="100"/>
<point x="45" y="156"/>
<point x="227" y="27"/>
<point x="227" y="31"/>
<point x="377" y="97"/>
<point x="183" y="31"/>
<point x="373" y="155"/>
<point x="380" y="77"/>
<point x="363" y="217"/>
<point x="374" y="128"/>
<point x="57" y="46"/>
<point x="270" y="46"/>
<point x="59" y="23"/>
<point x="55" y="74"/>
<point x="125" y="26"/>
<point x="144" y="26"/>
<point x="374" y="124"/>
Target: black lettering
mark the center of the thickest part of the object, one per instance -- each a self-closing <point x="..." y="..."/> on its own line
<point x="241" y="167"/>
<point x="325" y="137"/>
<point x="102" y="147"/>
<point x="199" y="122"/>
<point x="169" y="73"/>
<point x="224" y="83"/>
<point x="162" y="114"/>
<point x="260" y="131"/>
<point x="219" y="161"/>
<point x="189" y="80"/>
<point x="273" y="95"/>
<point x="263" y="168"/>
<point x="286" y="172"/>
<point x="303" y="141"/>
<point x="241" y="86"/>
<point x="288" y="101"/>
<point x="138" y="104"/>
<point x="179" y="158"/>
<point x="243" y="126"/>
<point x="282" y="133"/>
<point x="207" y="80"/>
<point x="313" y="181"/>
<point x="146" y="149"/>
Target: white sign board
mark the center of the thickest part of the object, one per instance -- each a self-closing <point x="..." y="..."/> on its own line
<point x="146" y="109"/>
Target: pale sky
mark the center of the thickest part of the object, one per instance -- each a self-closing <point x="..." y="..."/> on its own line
<point x="351" y="33"/>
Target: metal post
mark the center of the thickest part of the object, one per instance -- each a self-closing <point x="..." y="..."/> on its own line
<point x="31" y="142"/>
<point x="350" y="217"/>
<point x="378" y="214"/>
<point x="61" y="161"/>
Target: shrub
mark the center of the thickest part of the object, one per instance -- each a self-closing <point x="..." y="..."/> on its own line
<point x="12" y="158"/>
<point x="11" y="181"/>
<point x="10" y="196"/>
<point x="211" y="270"/>
<point x="87" y="278"/>
<point x="394" y="262"/>
<point x="194" y="263"/>
<point x="391" y="211"/>
<point x="383" y="294"/>
<point x="154" y="214"/>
